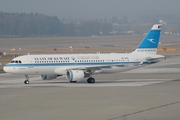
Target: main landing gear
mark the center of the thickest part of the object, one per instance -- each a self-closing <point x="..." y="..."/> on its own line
<point x="27" y="80"/>
<point x="91" y="80"/>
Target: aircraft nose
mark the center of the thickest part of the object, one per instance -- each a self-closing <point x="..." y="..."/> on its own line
<point x="5" y="69"/>
<point x="9" y="69"/>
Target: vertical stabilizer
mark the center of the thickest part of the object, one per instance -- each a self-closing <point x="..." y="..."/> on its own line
<point x="150" y="43"/>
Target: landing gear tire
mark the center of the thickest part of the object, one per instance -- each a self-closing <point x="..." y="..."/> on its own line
<point x="73" y="81"/>
<point x="91" y="80"/>
<point x="26" y="82"/>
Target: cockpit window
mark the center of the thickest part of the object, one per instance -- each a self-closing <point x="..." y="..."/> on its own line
<point x="15" y="61"/>
<point x="12" y="61"/>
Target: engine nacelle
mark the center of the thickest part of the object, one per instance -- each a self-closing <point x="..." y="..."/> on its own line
<point x="75" y="75"/>
<point x="48" y="77"/>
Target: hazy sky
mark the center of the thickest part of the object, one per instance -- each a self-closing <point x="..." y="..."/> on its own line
<point x="92" y="8"/>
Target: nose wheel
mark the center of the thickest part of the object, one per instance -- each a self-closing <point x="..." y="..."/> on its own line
<point x="27" y="80"/>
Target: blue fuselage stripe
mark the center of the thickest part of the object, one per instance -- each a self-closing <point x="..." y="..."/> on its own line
<point x="72" y="64"/>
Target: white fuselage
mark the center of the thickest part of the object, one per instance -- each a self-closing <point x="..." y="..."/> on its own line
<point x="59" y="64"/>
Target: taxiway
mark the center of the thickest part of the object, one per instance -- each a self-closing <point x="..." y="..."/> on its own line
<point x="147" y="93"/>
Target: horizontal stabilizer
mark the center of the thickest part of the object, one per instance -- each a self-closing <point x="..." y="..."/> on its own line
<point x="155" y="58"/>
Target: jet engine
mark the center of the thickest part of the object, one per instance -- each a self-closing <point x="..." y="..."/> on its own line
<point x="74" y="75"/>
<point x="48" y="77"/>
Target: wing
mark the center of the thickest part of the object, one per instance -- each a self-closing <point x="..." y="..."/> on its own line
<point x="93" y="69"/>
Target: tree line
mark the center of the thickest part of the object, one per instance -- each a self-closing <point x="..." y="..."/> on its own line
<point x="34" y="24"/>
<point x="37" y="25"/>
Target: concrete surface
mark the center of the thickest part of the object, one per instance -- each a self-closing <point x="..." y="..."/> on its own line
<point x="148" y="93"/>
<point x="141" y="94"/>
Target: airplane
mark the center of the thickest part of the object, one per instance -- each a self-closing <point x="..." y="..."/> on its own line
<point x="77" y="67"/>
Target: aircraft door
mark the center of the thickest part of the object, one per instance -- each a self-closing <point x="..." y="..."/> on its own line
<point x="30" y="62"/>
<point x="31" y="68"/>
<point x="136" y="60"/>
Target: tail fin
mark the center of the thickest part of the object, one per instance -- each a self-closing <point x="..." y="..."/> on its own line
<point x="150" y="43"/>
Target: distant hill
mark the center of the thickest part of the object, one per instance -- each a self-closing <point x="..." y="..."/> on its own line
<point x="23" y="24"/>
<point x="32" y="25"/>
<point x="37" y="25"/>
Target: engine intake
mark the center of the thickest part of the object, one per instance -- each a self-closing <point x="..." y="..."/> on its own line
<point x="75" y="75"/>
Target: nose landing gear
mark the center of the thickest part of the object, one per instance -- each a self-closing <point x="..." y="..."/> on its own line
<point x="27" y="80"/>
